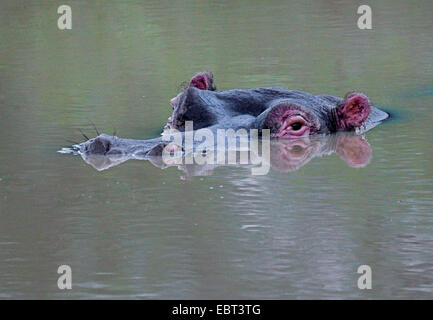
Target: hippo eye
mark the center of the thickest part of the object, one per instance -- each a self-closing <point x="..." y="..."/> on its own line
<point x="296" y="126"/>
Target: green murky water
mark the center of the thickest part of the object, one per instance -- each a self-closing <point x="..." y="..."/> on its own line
<point x="136" y="231"/>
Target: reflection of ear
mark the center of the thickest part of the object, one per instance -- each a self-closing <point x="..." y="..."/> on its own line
<point x="156" y="151"/>
<point x="353" y="112"/>
<point x="354" y="150"/>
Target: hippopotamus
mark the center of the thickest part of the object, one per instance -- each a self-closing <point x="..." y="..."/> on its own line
<point x="285" y="114"/>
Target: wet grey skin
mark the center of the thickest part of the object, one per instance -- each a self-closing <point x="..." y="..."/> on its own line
<point x="236" y="109"/>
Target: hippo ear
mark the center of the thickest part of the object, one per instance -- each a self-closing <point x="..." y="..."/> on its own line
<point x="353" y="149"/>
<point x="203" y="81"/>
<point x="354" y="111"/>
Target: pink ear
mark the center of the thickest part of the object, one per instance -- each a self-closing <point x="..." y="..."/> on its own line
<point x="354" y="111"/>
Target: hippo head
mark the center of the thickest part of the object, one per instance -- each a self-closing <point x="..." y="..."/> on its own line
<point x="287" y="114"/>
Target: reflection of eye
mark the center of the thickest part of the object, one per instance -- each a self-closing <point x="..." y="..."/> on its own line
<point x="297" y="149"/>
<point x="296" y="126"/>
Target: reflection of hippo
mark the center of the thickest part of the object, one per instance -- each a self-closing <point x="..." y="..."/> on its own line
<point x="288" y="114"/>
<point x="286" y="155"/>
